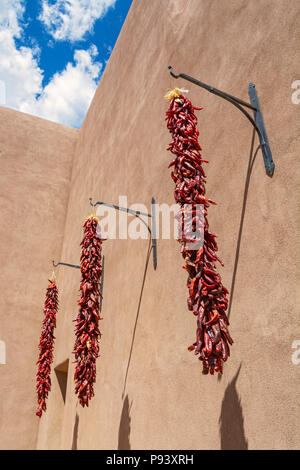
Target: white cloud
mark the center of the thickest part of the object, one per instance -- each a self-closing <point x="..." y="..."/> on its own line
<point x="72" y="19"/>
<point x="11" y="13"/>
<point x="19" y="70"/>
<point x="66" y="98"/>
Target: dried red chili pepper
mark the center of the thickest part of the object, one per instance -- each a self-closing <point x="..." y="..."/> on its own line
<point x="86" y="348"/>
<point x="46" y="346"/>
<point x="207" y="296"/>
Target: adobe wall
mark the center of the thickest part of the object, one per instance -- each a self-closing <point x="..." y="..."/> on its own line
<point x="35" y="159"/>
<point x="166" y="402"/>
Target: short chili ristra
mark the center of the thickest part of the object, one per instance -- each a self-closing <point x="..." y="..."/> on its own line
<point x="86" y="348"/>
<point x="46" y="346"/>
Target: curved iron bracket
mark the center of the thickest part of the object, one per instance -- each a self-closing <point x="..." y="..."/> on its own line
<point x="151" y="230"/>
<point x="257" y="122"/>
<point x="65" y="264"/>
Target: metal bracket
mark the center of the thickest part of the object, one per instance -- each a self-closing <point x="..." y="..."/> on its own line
<point x="153" y="233"/>
<point x="264" y="142"/>
<point x="76" y="266"/>
<point x="65" y="264"/>
<point x="257" y="122"/>
<point x="151" y="230"/>
<point x="101" y="284"/>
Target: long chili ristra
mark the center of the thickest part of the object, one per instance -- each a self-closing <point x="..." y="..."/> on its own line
<point x="86" y="348"/>
<point x="46" y="346"/>
<point x="207" y="295"/>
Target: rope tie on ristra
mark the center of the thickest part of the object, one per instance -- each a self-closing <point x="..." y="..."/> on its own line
<point x="174" y="93"/>
<point x="93" y="216"/>
<point x="207" y="295"/>
<point x="86" y="348"/>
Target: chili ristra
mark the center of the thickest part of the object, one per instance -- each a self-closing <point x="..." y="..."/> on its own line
<point x="46" y="346"/>
<point x="86" y="348"/>
<point x="207" y="296"/>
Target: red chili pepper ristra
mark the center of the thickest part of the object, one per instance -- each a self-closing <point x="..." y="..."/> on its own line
<point x="207" y="296"/>
<point x="46" y="346"/>
<point x="86" y="347"/>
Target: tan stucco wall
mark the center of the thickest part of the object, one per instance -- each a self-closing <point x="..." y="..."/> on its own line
<point x="35" y="160"/>
<point x="167" y="402"/>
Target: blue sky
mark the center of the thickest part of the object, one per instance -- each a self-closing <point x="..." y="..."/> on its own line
<point x="53" y="53"/>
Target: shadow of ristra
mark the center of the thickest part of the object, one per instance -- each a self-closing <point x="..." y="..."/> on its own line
<point x="75" y="433"/>
<point x="149" y="249"/>
<point x="231" y="421"/>
<point x="124" y="428"/>
<point x="251" y="162"/>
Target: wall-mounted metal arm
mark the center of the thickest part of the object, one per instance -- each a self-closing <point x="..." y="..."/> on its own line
<point x="152" y="230"/>
<point x="76" y="266"/>
<point x="257" y="122"/>
<point x="119" y="208"/>
<point x="101" y="284"/>
<point x="65" y="264"/>
<point x="210" y="88"/>
<point x="123" y="209"/>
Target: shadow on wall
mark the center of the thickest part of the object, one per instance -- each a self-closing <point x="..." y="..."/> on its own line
<point x="251" y="161"/>
<point x="124" y="429"/>
<point x="231" y="421"/>
<point x="149" y="249"/>
<point x="252" y="158"/>
<point x="75" y="433"/>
